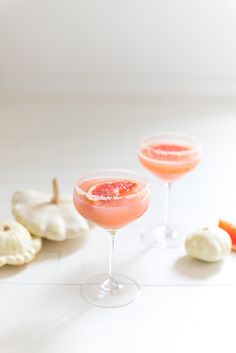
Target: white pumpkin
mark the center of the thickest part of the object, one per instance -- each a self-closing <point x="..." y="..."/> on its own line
<point x="208" y="244"/>
<point x="48" y="216"/>
<point x="17" y="246"/>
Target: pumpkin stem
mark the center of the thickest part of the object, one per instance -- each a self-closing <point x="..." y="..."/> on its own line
<point x="6" y="228"/>
<point x="55" y="187"/>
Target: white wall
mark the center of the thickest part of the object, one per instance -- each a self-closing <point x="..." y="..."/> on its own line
<point x="118" y="46"/>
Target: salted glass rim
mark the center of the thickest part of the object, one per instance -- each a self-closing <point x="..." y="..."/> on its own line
<point x="85" y="177"/>
<point x="196" y="147"/>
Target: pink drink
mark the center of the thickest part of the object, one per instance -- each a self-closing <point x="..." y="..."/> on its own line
<point x="169" y="161"/>
<point x="111" y="202"/>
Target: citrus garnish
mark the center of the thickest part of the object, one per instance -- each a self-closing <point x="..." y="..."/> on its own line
<point x="112" y="189"/>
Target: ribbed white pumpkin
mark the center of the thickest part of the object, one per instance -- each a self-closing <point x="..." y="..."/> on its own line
<point x="49" y="216"/>
<point x="17" y="247"/>
<point x="208" y="244"/>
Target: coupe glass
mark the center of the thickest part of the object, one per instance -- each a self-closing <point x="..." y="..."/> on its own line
<point x="128" y="201"/>
<point x="169" y="156"/>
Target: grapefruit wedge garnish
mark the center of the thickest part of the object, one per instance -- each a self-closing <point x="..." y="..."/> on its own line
<point x="112" y="190"/>
<point x="230" y="228"/>
<point x="164" y="151"/>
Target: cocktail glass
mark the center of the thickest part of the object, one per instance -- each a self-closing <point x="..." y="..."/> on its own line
<point x="111" y="198"/>
<point x="169" y="156"/>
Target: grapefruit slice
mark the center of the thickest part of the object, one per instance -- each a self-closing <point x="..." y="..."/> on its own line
<point x="164" y="151"/>
<point x="170" y="148"/>
<point x="112" y="189"/>
<point x="230" y="228"/>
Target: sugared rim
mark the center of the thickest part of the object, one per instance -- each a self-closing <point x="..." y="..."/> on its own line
<point x="85" y="177"/>
<point x="190" y="141"/>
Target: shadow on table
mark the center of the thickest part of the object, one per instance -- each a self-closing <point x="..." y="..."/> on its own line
<point x="61" y="249"/>
<point x="66" y="247"/>
<point x="9" y="270"/>
<point x="197" y="269"/>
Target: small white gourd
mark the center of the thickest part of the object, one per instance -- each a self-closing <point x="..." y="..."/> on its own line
<point x="208" y="244"/>
<point x="17" y="246"/>
<point x="48" y="216"/>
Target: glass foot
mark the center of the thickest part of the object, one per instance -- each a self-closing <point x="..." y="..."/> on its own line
<point x="164" y="237"/>
<point x="112" y="292"/>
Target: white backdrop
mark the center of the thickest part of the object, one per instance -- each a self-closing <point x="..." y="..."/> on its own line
<point x="125" y="46"/>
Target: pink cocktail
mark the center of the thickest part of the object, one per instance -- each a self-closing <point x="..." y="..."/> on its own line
<point x="169" y="161"/>
<point x="111" y="199"/>
<point x="169" y="156"/>
<point x="103" y="209"/>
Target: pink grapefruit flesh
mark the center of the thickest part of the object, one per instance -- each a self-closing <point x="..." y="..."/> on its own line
<point x="112" y="189"/>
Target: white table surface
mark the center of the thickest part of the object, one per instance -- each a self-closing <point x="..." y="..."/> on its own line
<point x="184" y="305"/>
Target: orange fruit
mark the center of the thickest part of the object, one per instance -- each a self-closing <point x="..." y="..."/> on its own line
<point x="230" y="228"/>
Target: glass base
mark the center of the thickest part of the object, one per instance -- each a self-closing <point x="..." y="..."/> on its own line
<point x="164" y="237"/>
<point x="112" y="292"/>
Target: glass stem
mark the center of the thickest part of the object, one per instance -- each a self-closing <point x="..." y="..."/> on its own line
<point x="167" y="205"/>
<point x="111" y="251"/>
